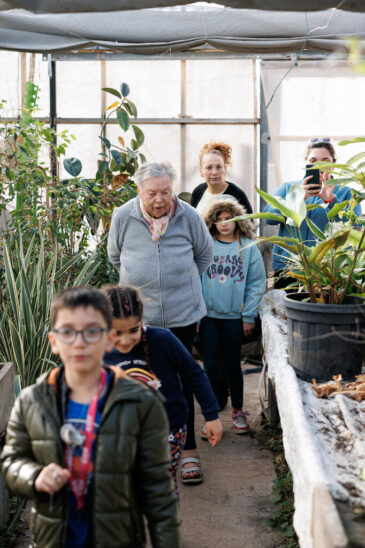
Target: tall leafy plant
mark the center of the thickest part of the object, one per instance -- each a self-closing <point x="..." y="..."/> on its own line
<point x="113" y="184"/>
<point x="31" y="281"/>
<point x="335" y="266"/>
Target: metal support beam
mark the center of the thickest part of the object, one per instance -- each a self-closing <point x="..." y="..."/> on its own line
<point x="53" y="112"/>
<point x="180" y="120"/>
<point x="183" y="126"/>
<point x="264" y="137"/>
<point x="206" y="53"/>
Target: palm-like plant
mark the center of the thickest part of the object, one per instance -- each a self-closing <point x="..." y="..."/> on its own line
<point x="30" y="285"/>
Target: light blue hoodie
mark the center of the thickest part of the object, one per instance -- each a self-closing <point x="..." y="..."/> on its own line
<point x="233" y="286"/>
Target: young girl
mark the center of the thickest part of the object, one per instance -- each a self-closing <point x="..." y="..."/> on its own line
<point x="232" y="289"/>
<point x="156" y="356"/>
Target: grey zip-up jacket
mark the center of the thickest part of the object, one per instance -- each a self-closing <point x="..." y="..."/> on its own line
<point x="167" y="272"/>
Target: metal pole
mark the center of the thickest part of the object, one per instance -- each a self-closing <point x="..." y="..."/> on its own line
<point x="52" y="112"/>
<point x="264" y="137"/>
<point x="183" y="126"/>
<point x="255" y="143"/>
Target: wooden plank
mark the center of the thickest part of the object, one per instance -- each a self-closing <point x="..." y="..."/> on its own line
<point x="327" y="528"/>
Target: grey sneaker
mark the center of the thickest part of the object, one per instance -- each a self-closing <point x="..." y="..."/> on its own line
<point x="203" y="434"/>
<point x="240" y="424"/>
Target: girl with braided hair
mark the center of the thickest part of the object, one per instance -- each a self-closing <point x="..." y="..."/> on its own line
<point x="155" y="356"/>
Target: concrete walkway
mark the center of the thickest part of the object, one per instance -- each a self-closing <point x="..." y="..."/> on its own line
<point x="231" y="507"/>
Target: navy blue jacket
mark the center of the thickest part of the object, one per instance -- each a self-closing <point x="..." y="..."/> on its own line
<point x="171" y="363"/>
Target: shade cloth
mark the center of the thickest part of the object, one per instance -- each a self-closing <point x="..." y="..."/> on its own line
<point x="63" y="6"/>
<point x="161" y="31"/>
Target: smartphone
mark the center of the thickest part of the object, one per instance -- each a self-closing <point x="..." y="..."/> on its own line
<point x="315" y="177"/>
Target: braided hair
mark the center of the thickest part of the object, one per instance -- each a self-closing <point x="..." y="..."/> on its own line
<point x="126" y="302"/>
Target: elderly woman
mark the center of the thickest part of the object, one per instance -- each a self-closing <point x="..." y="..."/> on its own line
<point x="162" y="246"/>
<point x="214" y="158"/>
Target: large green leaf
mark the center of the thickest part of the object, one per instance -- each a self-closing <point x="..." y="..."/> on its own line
<point x="355" y="237"/>
<point x="10" y="281"/>
<point x="130" y="107"/>
<point x="315" y="229"/>
<point x="117" y="157"/>
<point x="123" y="119"/>
<point x="349" y="142"/>
<point x="295" y="201"/>
<point x="338" y="240"/>
<point x="293" y="217"/>
<point x="106" y="142"/>
<point x="112" y="91"/>
<point x="356" y="158"/>
<point x="331" y="214"/>
<point x="139" y="135"/>
<point x="260" y="215"/>
<point x="125" y="89"/>
<point x="73" y="166"/>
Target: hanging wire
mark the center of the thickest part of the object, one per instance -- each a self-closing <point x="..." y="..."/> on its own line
<point x="294" y="64"/>
<point x="309" y="32"/>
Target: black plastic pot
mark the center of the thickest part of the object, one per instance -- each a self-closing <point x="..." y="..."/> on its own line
<point x="325" y="339"/>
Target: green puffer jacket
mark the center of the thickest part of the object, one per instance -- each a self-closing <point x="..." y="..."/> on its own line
<point x="131" y="468"/>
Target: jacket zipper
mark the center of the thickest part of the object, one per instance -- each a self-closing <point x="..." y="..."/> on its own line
<point x="160" y="274"/>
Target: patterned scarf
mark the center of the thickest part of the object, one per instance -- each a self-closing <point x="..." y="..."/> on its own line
<point x="158" y="226"/>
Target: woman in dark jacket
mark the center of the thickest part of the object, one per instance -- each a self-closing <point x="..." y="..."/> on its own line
<point x="214" y="159"/>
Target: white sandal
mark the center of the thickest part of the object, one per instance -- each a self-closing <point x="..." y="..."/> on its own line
<point x="197" y="468"/>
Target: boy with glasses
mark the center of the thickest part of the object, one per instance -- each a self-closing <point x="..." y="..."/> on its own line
<point x="89" y="444"/>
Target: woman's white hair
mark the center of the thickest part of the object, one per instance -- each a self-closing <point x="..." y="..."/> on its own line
<point x="154" y="169"/>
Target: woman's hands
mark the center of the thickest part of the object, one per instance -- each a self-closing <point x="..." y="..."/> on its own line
<point x="214" y="431"/>
<point x="51" y="479"/>
<point x="248" y="328"/>
<point x="325" y="192"/>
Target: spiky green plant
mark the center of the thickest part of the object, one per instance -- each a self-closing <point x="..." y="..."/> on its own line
<point x="31" y="281"/>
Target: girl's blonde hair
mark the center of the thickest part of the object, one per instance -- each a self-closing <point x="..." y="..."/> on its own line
<point x="217" y="147"/>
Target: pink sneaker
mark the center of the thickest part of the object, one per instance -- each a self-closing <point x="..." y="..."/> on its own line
<point x="240" y="424"/>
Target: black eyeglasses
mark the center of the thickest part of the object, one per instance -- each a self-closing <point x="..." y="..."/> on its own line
<point x="320" y="140"/>
<point x="67" y="335"/>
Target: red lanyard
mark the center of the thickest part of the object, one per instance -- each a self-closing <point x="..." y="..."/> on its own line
<point x="78" y="482"/>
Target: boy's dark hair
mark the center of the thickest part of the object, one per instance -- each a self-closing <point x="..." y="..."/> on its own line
<point x="73" y="297"/>
<point x="125" y="301"/>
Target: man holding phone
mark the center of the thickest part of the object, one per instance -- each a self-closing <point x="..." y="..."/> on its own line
<point x="319" y="149"/>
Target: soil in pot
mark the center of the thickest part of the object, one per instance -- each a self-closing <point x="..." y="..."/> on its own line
<point x="325" y="339"/>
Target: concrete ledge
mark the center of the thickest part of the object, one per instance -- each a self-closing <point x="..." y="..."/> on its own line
<point x="327" y="528"/>
<point x="7" y="395"/>
<point x="4" y="501"/>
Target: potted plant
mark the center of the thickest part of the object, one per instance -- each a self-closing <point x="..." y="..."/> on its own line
<point x="326" y="316"/>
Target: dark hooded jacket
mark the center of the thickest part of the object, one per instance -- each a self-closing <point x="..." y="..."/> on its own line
<point x="131" y="468"/>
